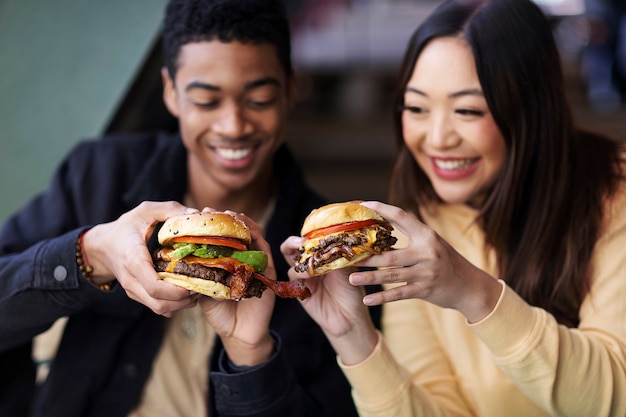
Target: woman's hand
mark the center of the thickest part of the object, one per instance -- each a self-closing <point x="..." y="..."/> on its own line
<point x="427" y="268"/>
<point x="243" y="326"/>
<point x="118" y="250"/>
<point x="337" y="307"/>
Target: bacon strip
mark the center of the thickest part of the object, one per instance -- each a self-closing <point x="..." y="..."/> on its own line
<point x="285" y="289"/>
<point x="239" y="281"/>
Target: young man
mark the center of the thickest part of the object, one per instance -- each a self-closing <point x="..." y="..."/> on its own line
<point x="228" y="79"/>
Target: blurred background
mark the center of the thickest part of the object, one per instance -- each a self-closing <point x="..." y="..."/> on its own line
<point x="74" y="69"/>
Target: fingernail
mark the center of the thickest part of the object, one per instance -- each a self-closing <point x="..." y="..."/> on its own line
<point x="368" y="300"/>
<point x="356" y="279"/>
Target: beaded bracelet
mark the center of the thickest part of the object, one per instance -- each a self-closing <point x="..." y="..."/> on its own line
<point x="83" y="264"/>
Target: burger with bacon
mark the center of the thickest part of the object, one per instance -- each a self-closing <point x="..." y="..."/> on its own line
<point x="339" y="235"/>
<point x="209" y="253"/>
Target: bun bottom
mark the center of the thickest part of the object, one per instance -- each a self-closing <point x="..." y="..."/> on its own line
<point x="202" y="286"/>
<point x="340" y="263"/>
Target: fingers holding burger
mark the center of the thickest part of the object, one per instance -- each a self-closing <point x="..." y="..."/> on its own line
<point x="210" y="253"/>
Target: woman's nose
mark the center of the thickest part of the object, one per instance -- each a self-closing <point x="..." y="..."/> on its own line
<point x="441" y="133"/>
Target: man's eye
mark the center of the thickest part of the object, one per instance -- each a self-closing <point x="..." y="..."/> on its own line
<point x="207" y="104"/>
<point x="261" y="104"/>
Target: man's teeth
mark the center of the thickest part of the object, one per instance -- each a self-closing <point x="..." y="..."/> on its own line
<point x="233" y="154"/>
<point x="454" y="164"/>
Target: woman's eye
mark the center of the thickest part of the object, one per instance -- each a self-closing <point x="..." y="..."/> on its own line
<point x="414" y="109"/>
<point x="470" y="112"/>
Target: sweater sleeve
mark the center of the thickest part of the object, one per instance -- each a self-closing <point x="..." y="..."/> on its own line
<point x="385" y="394"/>
<point x="383" y="387"/>
<point x="569" y="372"/>
<point x="415" y="370"/>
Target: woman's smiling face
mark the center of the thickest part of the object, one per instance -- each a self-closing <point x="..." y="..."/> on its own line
<point x="447" y="125"/>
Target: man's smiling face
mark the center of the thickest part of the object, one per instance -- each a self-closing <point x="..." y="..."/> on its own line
<point x="232" y="101"/>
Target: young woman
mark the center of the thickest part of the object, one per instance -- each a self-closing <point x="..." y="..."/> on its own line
<point x="508" y="297"/>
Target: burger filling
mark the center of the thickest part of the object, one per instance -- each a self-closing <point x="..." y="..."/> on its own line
<point x="233" y="268"/>
<point x="255" y="258"/>
<point x="319" y="251"/>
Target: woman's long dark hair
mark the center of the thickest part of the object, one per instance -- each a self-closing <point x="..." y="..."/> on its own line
<point x="544" y="214"/>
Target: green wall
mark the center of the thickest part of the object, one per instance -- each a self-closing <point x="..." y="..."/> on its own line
<point x="64" y="65"/>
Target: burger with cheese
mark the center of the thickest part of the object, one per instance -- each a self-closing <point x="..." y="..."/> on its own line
<point x="209" y="253"/>
<point x="339" y="235"/>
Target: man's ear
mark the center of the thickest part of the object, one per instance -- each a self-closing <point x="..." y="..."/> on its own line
<point x="169" y="92"/>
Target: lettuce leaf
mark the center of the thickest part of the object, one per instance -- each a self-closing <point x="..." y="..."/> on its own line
<point x="256" y="259"/>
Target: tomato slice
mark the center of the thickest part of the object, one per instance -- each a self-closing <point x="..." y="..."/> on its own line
<point x="211" y="240"/>
<point x="337" y="228"/>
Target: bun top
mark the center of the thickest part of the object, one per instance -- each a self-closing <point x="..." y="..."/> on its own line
<point x="337" y="213"/>
<point x="204" y="224"/>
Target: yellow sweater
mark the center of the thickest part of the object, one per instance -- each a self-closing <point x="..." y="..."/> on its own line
<point x="515" y="362"/>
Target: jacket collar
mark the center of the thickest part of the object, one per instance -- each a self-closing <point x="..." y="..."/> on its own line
<point x="164" y="175"/>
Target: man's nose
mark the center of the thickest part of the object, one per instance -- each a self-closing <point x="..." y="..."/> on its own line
<point x="231" y="122"/>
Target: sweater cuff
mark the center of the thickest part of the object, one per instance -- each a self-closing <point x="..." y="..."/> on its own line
<point x="390" y="377"/>
<point x="509" y="328"/>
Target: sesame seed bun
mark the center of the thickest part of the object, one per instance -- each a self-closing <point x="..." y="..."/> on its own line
<point x="337" y="213"/>
<point x="204" y="224"/>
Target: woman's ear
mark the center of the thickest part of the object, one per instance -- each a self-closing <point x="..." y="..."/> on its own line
<point x="169" y="92"/>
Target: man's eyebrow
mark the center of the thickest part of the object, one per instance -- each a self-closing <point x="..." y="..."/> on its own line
<point x="261" y="82"/>
<point x="203" y="86"/>
<point x="248" y="86"/>
<point x="467" y="92"/>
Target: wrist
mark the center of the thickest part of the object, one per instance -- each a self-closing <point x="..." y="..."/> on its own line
<point x="484" y="300"/>
<point x="242" y="353"/>
<point x="355" y="346"/>
<point x="88" y="263"/>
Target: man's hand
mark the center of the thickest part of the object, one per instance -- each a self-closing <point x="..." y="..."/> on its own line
<point x="118" y="250"/>
<point x="243" y="326"/>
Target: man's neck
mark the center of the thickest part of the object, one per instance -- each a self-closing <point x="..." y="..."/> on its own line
<point x="255" y="208"/>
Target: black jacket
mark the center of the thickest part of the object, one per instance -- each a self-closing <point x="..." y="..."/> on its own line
<point x="110" y="341"/>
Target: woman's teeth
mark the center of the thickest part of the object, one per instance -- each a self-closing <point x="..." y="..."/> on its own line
<point x="454" y="164"/>
<point x="233" y="154"/>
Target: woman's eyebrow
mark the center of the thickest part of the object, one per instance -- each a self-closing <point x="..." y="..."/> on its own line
<point x="466" y="92"/>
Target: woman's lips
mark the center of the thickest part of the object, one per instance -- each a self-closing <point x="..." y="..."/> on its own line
<point x="454" y="168"/>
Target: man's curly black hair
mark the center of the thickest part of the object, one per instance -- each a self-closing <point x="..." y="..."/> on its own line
<point x="246" y="21"/>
